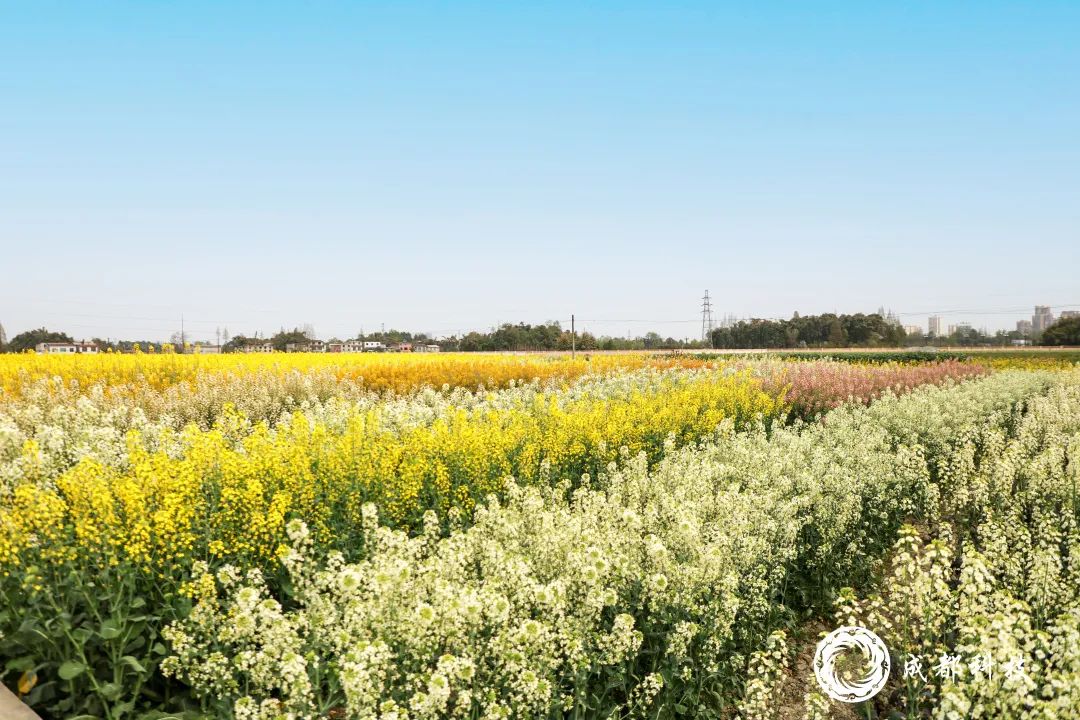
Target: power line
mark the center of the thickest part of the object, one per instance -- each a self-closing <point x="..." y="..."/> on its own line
<point x="655" y="322"/>
<point x="139" y="318"/>
<point x="987" y="311"/>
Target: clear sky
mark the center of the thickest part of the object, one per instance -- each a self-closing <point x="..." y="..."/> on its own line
<point x="447" y="166"/>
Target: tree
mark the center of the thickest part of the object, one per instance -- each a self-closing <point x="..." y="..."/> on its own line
<point x="235" y="343"/>
<point x="653" y="341"/>
<point x="296" y="335"/>
<point x="826" y="330"/>
<point x="28" y="340"/>
<point x="1064" y="332"/>
<point x="3" y="337"/>
<point x="836" y="333"/>
<point x="472" y="342"/>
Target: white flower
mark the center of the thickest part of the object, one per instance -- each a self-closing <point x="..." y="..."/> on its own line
<point x="349" y="580"/>
<point x="297" y="530"/>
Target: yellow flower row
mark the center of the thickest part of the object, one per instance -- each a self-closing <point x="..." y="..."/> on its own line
<point x="393" y="371"/>
<point x="229" y="497"/>
<point x="1035" y="360"/>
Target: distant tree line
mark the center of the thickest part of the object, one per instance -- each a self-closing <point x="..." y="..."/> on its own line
<point x="127" y="346"/>
<point x="1064" y="332"/>
<point x="283" y="338"/>
<point x="29" y="339"/>
<point x="966" y="337"/>
<point x="809" y="331"/>
<point x="553" y="336"/>
<point x="873" y="330"/>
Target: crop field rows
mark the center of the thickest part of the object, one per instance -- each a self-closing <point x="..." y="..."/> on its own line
<point x="498" y="536"/>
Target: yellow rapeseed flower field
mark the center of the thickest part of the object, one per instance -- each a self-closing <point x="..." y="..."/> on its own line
<point x="133" y="486"/>
<point x="229" y="494"/>
<point x="400" y="372"/>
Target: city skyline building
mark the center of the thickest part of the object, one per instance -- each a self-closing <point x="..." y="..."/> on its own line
<point x="1042" y="319"/>
<point x="933" y="326"/>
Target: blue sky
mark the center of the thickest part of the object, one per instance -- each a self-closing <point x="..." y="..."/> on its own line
<point x="448" y="166"/>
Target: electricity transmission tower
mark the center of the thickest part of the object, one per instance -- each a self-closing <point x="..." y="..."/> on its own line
<point x="706" y="319"/>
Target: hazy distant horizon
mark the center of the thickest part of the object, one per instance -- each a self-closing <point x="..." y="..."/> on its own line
<point x="197" y="329"/>
<point x="448" y="167"/>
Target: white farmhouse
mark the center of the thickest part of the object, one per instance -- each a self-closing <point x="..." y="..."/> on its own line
<point x="60" y="348"/>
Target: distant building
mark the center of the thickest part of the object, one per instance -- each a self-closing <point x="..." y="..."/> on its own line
<point x="426" y="348"/>
<point x="958" y="327"/>
<point x="311" y="346"/>
<point x="258" y="346"/>
<point x="1023" y="327"/>
<point x="913" y="330"/>
<point x="62" y="348"/>
<point x="207" y="349"/>
<point x="889" y="316"/>
<point x="1066" y="314"/>
<point x="374" y="346"/>
<point x="351" y="346"/>
<point x="402" y="347"/>
<point x="933" y="326"/>
<point x="1042" y="318"/>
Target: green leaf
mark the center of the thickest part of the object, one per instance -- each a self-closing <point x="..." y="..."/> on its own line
<point x="159" y="648"/>
<point x="133" y="664"/>
<point x="134" y="645"/>
<point x="121" y="709"/>
<point x="29" y="626"/>
<point x="110" y="691"/>
<point x="71" y="669"/>
<point x="138" y="602"/>
<point x="20" y="664"/>
<point x="110" y="630"/>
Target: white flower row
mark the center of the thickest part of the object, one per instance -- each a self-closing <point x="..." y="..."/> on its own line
<point x="1011" y="512"/>
<point x="645" y="588"/>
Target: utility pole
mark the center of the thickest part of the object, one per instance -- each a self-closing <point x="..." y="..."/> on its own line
<point x="573" y="338"/>
<point x="706" y="319"/>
